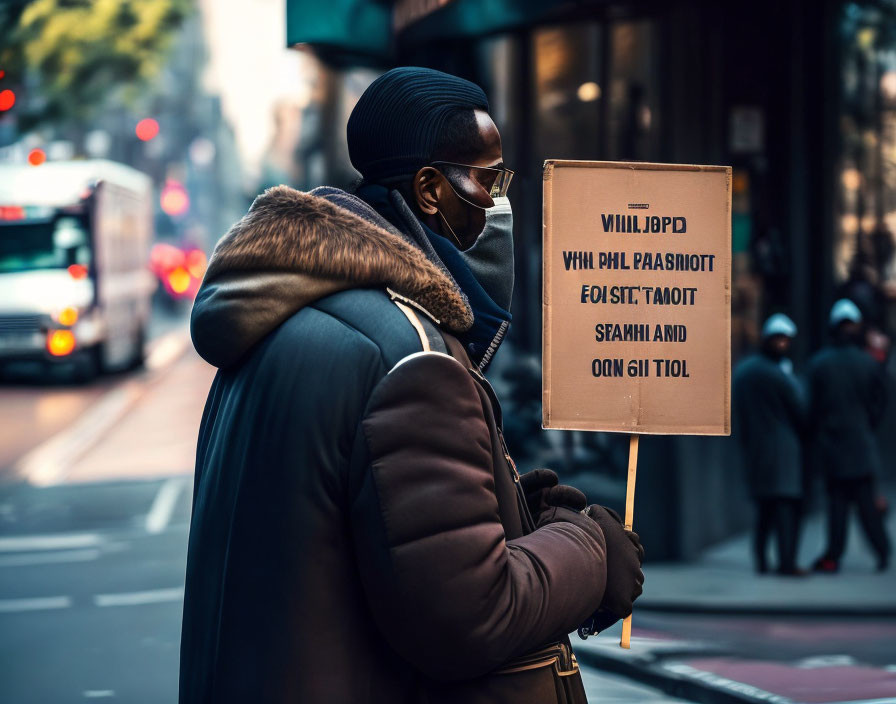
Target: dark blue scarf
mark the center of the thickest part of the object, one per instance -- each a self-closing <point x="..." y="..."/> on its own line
<point x="490" y="321"/>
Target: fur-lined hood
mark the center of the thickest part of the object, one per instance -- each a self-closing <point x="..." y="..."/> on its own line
<point x="293" y="248"/>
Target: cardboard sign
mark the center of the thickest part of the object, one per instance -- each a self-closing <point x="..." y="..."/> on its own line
<point x="637" y="297"/>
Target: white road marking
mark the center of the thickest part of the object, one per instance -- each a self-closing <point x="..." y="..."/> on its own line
<point x="48" y="558"/>
<point x="166" y="349"/>
<point x="98" y="693"/>
<point x="50" y="461"/>
<point x="163" y="505"/>
<point x="8" y="606"/>
<point x="154" y="596"/>
<point x="50" y="541"/>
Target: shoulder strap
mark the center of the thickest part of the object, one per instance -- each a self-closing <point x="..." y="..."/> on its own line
<point x="429" y="334"/>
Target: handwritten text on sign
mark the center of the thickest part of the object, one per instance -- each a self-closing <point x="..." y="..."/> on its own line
<point x="637" y="297"/>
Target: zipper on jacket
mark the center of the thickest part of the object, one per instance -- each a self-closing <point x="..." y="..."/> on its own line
<point x="528" y="522"/>
<point x="493" y="347"/>
<point x="513" y="470"/>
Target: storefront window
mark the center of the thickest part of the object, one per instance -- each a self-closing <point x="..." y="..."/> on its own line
<point x="864" y="247"/>
<point x="568" y="91"/>
<point x="633" y="92"/>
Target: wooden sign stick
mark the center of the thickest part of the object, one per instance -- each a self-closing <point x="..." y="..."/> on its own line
<point x="626" y="641"/>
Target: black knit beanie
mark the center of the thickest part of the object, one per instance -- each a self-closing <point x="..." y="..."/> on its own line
<point x="395" y="125"/>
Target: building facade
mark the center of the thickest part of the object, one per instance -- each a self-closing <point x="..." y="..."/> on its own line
<point x="799" y="97"/>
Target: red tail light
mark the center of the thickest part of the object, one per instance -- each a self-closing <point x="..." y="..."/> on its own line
<point x="78" y="271"/>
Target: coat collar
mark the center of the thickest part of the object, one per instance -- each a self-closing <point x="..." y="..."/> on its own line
<point x="292" y="248"/>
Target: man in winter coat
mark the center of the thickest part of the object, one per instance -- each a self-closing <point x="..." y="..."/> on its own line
<point x="847" y="397"/>
<point x="360" y="533"/>
<point x="770" y="422"/>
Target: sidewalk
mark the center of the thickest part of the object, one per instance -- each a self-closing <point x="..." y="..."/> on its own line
<point x="723" y="580"/>
<point x="699" y="671"/>
<point x="157" y="436"/>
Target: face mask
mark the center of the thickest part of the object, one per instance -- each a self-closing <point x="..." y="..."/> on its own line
<point x="491" y="257"/>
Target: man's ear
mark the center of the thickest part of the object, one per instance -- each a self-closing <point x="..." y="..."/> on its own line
<point x="428" y="185"/>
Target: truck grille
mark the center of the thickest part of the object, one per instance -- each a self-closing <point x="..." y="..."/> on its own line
<point x="19" y="323"/>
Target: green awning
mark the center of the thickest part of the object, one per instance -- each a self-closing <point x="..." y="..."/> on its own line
<point x="360" y="29"/>
<point x="470" y="18"/>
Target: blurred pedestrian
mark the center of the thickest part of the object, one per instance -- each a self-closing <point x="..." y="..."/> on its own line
<point x="847" y="398"/>
<point x="770" y="419"/>
<point x="359" y="532"/>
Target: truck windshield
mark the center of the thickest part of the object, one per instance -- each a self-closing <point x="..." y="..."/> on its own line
<point x="44" y="244"/>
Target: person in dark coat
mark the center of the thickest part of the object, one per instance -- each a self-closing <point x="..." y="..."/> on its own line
<point x="770" y="420"/>
<point x="847" y="399"/>
<point x="360" y="533"/>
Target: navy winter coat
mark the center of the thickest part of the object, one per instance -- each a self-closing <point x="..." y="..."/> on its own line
<point x="769" y="423"/>
<point x="847" y="396"/>
<point x="358" y="534"/>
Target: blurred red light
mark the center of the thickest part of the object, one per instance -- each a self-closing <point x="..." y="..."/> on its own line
<point x="78" y="271"/>
<point x="174" y="199"/>
<point x="165" y="257"/>
<point x="12" y="212"/>
<point x="7" y="99"/>
<point x="36" y="157"/>
<point x="146" y="129"/>
<point x="2" y="73"/>
<point x="196" y="262"/>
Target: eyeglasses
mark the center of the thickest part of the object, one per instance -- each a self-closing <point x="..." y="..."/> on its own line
<point x="494" y="180"/>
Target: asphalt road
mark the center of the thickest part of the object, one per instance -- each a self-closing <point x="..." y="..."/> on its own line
<point x="95" y="488"/>
<point x="91" y="589"/>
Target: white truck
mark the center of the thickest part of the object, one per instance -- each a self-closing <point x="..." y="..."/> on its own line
<point x="75" y="287"/>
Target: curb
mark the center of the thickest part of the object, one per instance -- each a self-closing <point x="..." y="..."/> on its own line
<point x="676" y="679"/>
<point x="796" y="610"/>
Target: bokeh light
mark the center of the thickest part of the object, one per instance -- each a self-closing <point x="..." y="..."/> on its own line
<point x="146" y="129"/>
<point x="7" y="99"/>
<point x="588" y="92"/>
<point x="196" y="263"/>
<point x="179" y="280"/>
<point x="60" y="342"/>
<point x="174" y="199"/>
<point x="36" y="157"/>
<point x="77" y="271"/>
<point x="852" y="179"/>
<point x="68" y="316"/>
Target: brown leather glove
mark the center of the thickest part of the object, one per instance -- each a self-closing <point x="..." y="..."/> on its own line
<point x="625" y="580"/>
<point x="544" y="490"/>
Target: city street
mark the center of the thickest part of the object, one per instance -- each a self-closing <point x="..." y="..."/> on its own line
<point x="665" y="232"/>
<point x="94" y="516"/>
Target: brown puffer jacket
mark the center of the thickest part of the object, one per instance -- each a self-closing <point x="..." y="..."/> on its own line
<point x="358" y="531"/>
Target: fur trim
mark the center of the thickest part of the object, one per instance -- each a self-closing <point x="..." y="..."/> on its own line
<point x="287" y="230"/>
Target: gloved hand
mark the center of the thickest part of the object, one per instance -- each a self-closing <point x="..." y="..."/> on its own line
<point x="625" y="580"/>
<point x="543" y="490"/>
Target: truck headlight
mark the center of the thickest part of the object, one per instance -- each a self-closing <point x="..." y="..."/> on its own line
<point x="67" y="316"/>
<point x="60" y="342"/>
